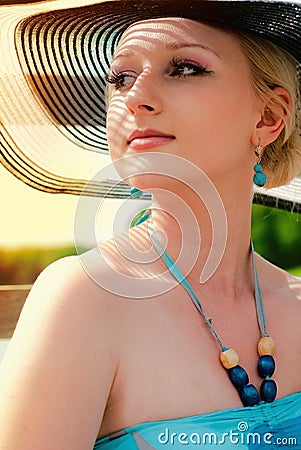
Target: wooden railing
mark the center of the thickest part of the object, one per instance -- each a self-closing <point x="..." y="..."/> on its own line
<point x="12" y="298"/>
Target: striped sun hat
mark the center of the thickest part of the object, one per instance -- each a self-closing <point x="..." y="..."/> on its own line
<point x="54" y="57"/>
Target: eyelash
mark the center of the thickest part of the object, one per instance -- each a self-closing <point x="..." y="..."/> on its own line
<point x="180" y="65"/>
<point x="117" y="79"/>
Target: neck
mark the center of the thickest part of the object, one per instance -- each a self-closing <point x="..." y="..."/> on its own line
<point x="213" y="248"/>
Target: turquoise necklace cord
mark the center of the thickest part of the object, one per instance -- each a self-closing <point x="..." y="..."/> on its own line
<point x="266" y="347"/>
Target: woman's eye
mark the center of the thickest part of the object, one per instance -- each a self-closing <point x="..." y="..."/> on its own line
<point x="187" y="68"/>
<point x="121" y="80"/>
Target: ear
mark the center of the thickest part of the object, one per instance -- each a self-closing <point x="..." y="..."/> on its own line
<point x="275" y="111"/>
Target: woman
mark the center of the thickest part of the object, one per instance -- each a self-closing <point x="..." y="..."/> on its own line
<point x="194" y="107"/>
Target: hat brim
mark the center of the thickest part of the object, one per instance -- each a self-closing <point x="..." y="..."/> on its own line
<point x="52" y="83"/>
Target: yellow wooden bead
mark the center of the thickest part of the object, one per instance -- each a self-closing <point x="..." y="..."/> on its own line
<point x="266" y="346"/>
<point x="229" y="358"/>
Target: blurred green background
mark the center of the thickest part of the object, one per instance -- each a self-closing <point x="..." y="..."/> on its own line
<point x="276" y="235"/>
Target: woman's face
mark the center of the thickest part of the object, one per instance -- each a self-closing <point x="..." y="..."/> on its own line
<point x="184" y="88"/>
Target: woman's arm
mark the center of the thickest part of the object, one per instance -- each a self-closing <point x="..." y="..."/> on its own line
<point x="58" y="370"/>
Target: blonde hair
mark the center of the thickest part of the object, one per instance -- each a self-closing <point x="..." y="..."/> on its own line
<point x="272" y="67"/>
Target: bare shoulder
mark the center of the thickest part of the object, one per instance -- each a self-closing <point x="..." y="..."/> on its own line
<point x="99" y="278"/>
<point x="62" y="360"/>
<point x="294" y="284"/>
<point x="62" y="285"/>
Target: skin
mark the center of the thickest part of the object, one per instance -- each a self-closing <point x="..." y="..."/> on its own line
<point x="84" y="361"/>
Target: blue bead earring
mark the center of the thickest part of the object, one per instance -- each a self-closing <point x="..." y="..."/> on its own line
<point x="259" y="178"/>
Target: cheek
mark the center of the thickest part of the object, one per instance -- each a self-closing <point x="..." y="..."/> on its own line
<point x="221" y="115"/>
<point x="200" y="119"/>
<point x="218" y="125"/>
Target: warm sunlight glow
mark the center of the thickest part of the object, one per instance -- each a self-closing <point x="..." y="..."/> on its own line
<point x="33" y="218"/>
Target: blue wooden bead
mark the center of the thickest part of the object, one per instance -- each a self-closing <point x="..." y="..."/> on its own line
<point x="249" y="395"/>
<point x="260" y="179"/>
<point x="266" y="366"/>
<point x="238" y="376"/>
<point x="258" y="168"/>
<point x="268" y="390"/>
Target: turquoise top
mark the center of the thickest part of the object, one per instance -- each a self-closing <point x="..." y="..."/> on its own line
<point x="265" y="426"/>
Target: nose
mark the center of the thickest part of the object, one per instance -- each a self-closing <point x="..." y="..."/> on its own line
<point x="144" y="95"/>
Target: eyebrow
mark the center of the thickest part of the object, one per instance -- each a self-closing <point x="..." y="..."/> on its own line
<point x="171" y="46"/>
<point x="179" y="45"/>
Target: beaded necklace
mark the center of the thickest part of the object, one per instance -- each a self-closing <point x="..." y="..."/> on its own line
<point x="229" y="358"/>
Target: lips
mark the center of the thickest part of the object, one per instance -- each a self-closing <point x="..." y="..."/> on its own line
<point x="141" y="139"/>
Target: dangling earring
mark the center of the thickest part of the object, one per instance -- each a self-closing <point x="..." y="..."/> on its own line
<point x="259" y="178"/>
